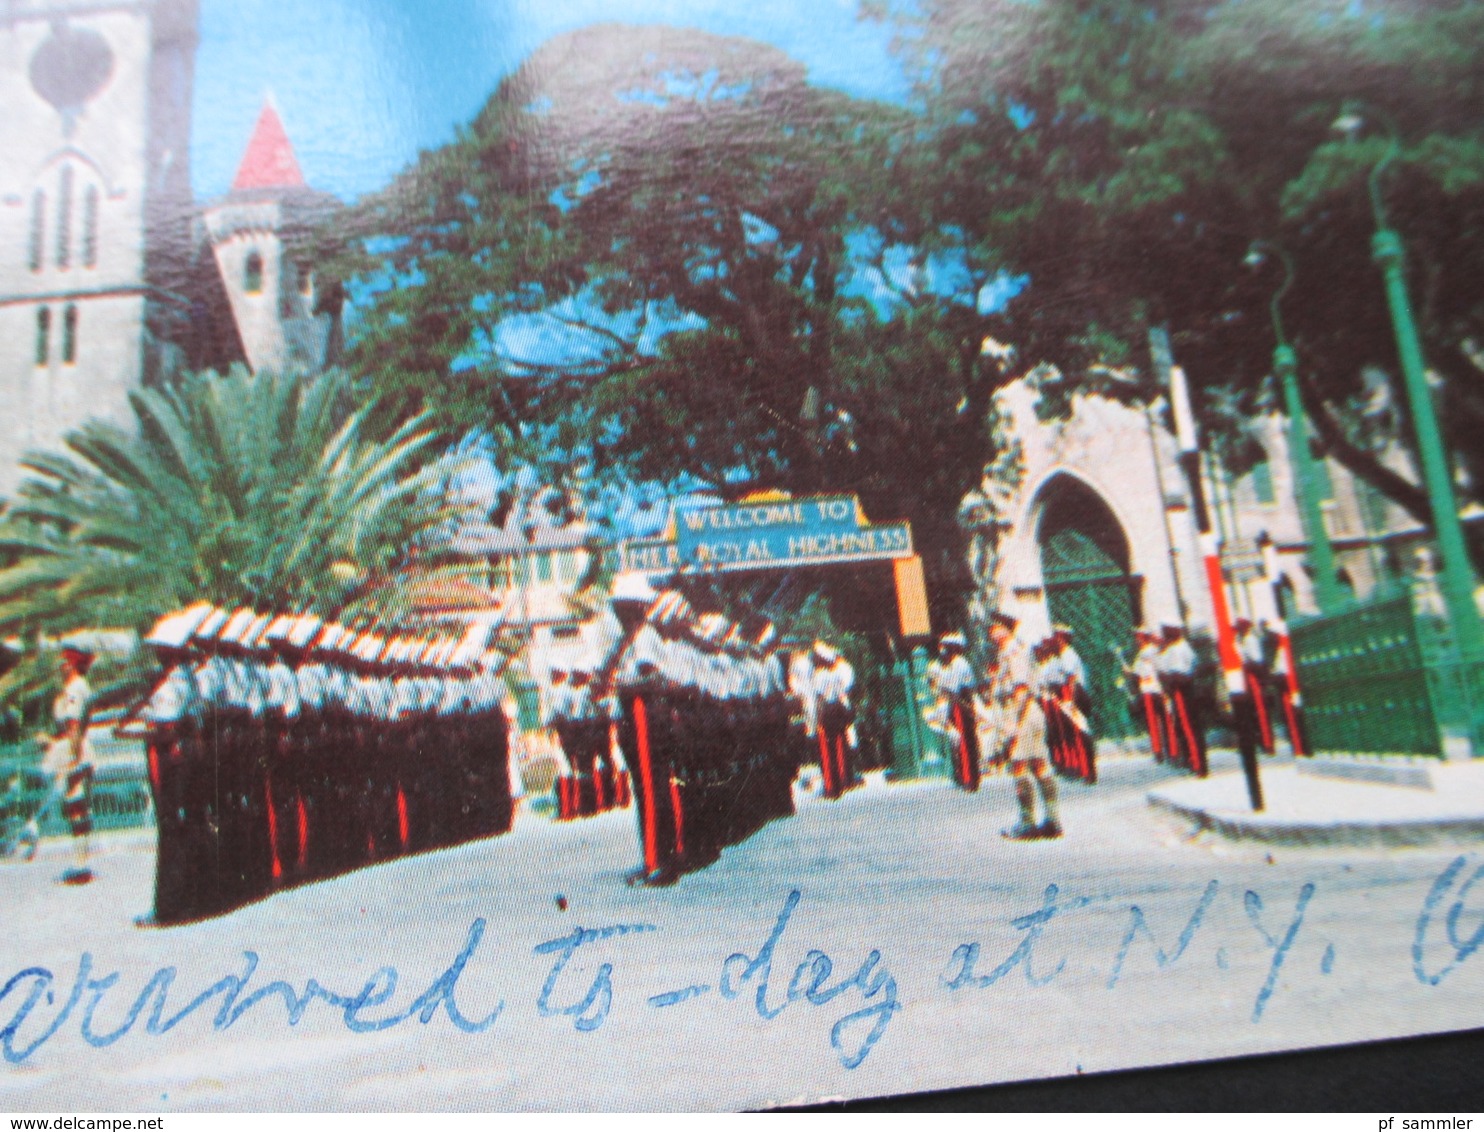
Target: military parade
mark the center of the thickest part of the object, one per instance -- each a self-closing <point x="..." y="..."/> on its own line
<point x="778" y="484"/>
<point x="283" y="748"/>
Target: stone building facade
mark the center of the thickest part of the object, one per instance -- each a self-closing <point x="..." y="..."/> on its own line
<point x="110" y="276"/>
<point x="94" y="209"/>
<point x="1099" y="532"/>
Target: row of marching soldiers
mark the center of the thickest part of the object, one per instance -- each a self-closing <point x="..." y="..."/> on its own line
<point x="1030" y="702"/>
<point x="284" y="749"/>
<point x="702" y="718"/>
<point x="978" y="710"/>
<point x="1174" y="713"/>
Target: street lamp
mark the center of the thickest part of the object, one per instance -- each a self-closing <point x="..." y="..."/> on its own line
<point x="1387" y="251"/>
<point x="1327" y="591"/>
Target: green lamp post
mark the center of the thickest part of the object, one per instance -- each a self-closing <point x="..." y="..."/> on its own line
<point x="1386" y="248"/>
<point x="1328" y="593"/>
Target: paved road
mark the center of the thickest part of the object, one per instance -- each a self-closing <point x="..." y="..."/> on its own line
<point x="1152" y="947"/>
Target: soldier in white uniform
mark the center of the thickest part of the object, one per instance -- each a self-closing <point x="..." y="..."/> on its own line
<point x="633" y="669"/>
<point x="170" y="721"/>
<point x="1026" y="749"/>
<point x="953" y="679"/>
<point x="1149" y="696"/>
<point x="778" y="752"/>
<point x="1070" y="707"/>
<point x="833" y="685"/>
<point x="245" y="851"/>
<point x="1257" y="675"/>
<point x="800" y="675"/>
<point x="309" y="737"/>
<point x="283" y="805"/>
<point x="1186" y="720"/>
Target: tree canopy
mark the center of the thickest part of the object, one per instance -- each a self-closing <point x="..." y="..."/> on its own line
<point x="1125" y="153"/>
<point x="665" y="251"/>
<point x="658" y="253"/>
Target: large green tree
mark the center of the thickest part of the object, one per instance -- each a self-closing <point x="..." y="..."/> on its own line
<point x="667" y="253"/>
<point x="1124" y="153"/>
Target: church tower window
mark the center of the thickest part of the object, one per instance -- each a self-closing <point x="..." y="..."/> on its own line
<point x="38" y="229"/>
<point x="64" y="220"/>
<point x="90" y="227"/>
<point x="43" y="335"/>
<point x="252" y="274"/>
<point x="69" y="334"/>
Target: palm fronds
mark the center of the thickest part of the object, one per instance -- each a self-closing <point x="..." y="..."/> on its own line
<point x="251" y="489"/>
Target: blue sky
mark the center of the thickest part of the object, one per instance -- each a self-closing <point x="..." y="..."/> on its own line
<point x="364" y="85"/>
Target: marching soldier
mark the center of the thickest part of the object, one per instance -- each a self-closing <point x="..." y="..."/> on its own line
<point x="1074" y="705"/>
<point x="70" y="773"/>
<point x="954" y="679"/>
<point x="170" y="720"/>
<point x="1257" y="675"/>
<point x="833" y="682"/>
<point x="1026" y="748"/>
<point x="1286" y="690"/>
<point x="633" y="667"/>
<point x="1185" y="717"/>
<point x="1148" y="693"/>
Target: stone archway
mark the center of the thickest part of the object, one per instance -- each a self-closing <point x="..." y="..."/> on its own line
<point x="1089" y="586"/>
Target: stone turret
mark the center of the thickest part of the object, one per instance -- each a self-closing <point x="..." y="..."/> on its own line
<point x="257" y="234"/>
<point x="94" y="210"/>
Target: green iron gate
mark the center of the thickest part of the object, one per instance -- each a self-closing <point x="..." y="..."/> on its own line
<point x="1090" y="591"/>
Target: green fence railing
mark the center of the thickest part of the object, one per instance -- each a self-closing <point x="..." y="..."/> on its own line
<point x="917" y="750"/>
<point x="1385" y="677"/>
<point x="121" y="797"/>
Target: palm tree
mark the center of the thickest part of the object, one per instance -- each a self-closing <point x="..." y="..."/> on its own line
<point x="243" y="489"/>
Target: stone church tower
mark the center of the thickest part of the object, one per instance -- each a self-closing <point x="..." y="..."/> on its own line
<point x="95" y="209"/>
<point x="256" y="233"/>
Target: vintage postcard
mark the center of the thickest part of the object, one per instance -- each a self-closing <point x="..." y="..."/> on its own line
<point x="619" y="554"/>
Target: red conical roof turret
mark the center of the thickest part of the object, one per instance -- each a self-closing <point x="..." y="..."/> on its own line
<point x="269" y="162"/>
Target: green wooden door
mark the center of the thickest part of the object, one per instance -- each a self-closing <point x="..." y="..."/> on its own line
<point x="1089" y="590"/>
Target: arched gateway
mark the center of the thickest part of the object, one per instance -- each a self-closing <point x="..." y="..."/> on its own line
<point x="1089" y="587"/>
